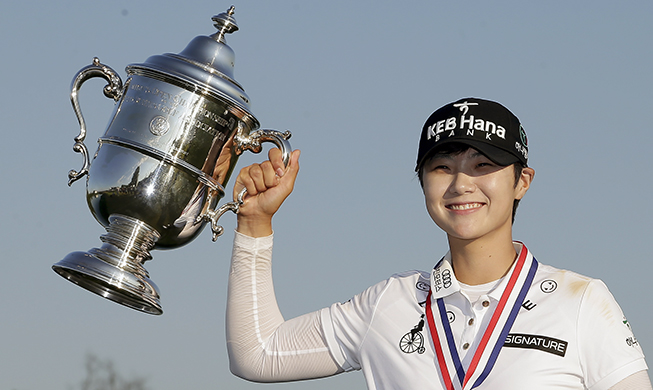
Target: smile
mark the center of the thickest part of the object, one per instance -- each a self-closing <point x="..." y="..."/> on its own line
<point x="466" y="206"/>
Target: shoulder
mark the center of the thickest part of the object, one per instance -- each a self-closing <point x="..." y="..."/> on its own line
<point x="408" y="288"/>
<point x="415" y="283"/>
<point x="603" y="339"/>
<point x="545" y="269"/>
<point x="585" y="298"/>
<point x="571" y="283"/>
<point x="408" y="284"/>
<point x="411" y="276"/>
<point x="384" y="306"/>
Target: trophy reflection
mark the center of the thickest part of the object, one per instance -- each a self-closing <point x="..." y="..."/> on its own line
<point x="179" y="125"/>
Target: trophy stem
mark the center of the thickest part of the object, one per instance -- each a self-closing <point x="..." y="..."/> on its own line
<point x="115" y="270"/>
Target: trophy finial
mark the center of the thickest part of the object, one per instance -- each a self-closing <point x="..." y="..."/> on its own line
<point x="225" y="23"/>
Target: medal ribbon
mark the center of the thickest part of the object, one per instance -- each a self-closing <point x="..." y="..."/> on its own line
<point x="494" y="336"/>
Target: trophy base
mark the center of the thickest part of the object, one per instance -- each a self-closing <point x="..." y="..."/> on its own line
<point x="115" y="271"/>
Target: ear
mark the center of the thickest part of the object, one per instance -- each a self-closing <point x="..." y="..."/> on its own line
<point x="524" y="183"/>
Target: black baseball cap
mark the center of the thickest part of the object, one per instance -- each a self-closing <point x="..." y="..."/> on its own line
<point x="484" y="125"/>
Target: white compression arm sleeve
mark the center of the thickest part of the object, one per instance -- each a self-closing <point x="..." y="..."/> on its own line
<point x="637" y="381"/>
<point x="262" y="346"/>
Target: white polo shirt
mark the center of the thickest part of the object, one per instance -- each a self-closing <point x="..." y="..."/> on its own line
<point x="567" y="332"/>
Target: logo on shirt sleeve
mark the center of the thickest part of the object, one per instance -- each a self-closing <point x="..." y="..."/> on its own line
<point x="631" y="340"/>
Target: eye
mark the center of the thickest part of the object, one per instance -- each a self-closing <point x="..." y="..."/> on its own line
<point x="483" y="162"/>
<point x="486" y="166"/>
<point x="439" y="167"/>
<point x="436" y="165"/>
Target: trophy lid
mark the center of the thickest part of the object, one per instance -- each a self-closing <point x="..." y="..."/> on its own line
<point x="206" y="64"/>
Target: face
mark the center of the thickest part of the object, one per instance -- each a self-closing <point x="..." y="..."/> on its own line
<point x="470" y="197"/>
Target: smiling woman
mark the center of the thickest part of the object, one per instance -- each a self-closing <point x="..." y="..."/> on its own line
<point x="492" y="314"/>
<point x="452" y="149"/>
<point x="356" y="215"/>
<point x="470" y="197"/>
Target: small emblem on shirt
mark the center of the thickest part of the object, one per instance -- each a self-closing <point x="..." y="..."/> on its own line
<point x="441" y="279"/>
<point x="548" y="286"/>
<point x="631" y="340"/>
<point x="413" y="341"/>
<point x="528" y="305"/>
<point x="532" y="341"/>
<point x="422" y="285"/>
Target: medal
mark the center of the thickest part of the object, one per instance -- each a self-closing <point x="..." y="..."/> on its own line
<point x="453" y="373"/>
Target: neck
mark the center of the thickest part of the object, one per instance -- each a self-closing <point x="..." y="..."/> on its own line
<point x="482" y="260"/>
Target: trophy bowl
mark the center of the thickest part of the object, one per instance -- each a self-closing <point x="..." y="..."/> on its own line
<point x="179" y="124"/>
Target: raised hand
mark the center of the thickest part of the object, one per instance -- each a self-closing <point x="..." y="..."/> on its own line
<point x="268" y="184"/>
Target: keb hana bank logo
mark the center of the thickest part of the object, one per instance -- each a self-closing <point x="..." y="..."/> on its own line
<point x="467" y="123"/>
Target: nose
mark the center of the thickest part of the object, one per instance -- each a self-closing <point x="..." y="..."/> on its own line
<point x="462" y="183"/>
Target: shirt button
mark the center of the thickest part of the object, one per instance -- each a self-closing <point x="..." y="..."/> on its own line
<point x="466" y="345"/>
<point x="471" y="321"/>
<point x="486" y="303"/>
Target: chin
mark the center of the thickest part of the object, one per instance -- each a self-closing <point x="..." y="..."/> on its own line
<point x="464" y="236"/>
<point x="462" y="233"/>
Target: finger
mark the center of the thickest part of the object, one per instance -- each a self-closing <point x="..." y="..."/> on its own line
<point x="288" y="180"/>
<point x="276" y="158"/>
<point x="293" y="163"/>
<point x="270" y="177"/>
<point x="244" y="180"/>
<point x="256" y="172"/>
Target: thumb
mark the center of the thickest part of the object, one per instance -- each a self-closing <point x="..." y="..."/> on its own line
<point x="293" y="165"/>
<point x="288" y="175"/>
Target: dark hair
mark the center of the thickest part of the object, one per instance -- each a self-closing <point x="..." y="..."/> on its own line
<point x="519" y="167"/>
<point x="456" y="148"/>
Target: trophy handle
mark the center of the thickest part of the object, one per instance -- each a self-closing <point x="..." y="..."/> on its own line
<point x="112" y="90"/>
<point x="250" y="142"/>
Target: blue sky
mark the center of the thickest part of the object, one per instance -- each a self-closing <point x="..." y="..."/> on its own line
<point x="354" y="82"/>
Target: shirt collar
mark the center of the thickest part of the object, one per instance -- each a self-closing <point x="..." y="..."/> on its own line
<point x="444" y="282"/>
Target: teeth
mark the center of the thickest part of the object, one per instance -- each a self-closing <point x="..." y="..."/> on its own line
<point x="465" y="206"/>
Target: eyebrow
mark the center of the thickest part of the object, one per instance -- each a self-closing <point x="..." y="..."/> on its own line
<point x="441" y="155"/>
<point x="449" y="156"/>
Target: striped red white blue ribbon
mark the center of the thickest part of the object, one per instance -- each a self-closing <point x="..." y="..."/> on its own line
<point x="453" y="374"/>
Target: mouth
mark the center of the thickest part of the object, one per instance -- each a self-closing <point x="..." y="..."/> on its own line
<point x="464" y="206"/>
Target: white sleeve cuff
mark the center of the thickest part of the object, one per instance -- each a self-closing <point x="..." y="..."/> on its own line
<point x="330" y="339"/>
<point x="618" y="375"/>
<point x="252" y="244"/>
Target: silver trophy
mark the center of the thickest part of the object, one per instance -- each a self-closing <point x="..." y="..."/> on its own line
<point x="179" y="124"/>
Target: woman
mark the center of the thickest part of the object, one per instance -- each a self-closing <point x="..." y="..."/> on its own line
<point x="487" y="316"/>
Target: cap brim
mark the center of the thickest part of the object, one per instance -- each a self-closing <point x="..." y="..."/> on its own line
<point x="496" y="155"/>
